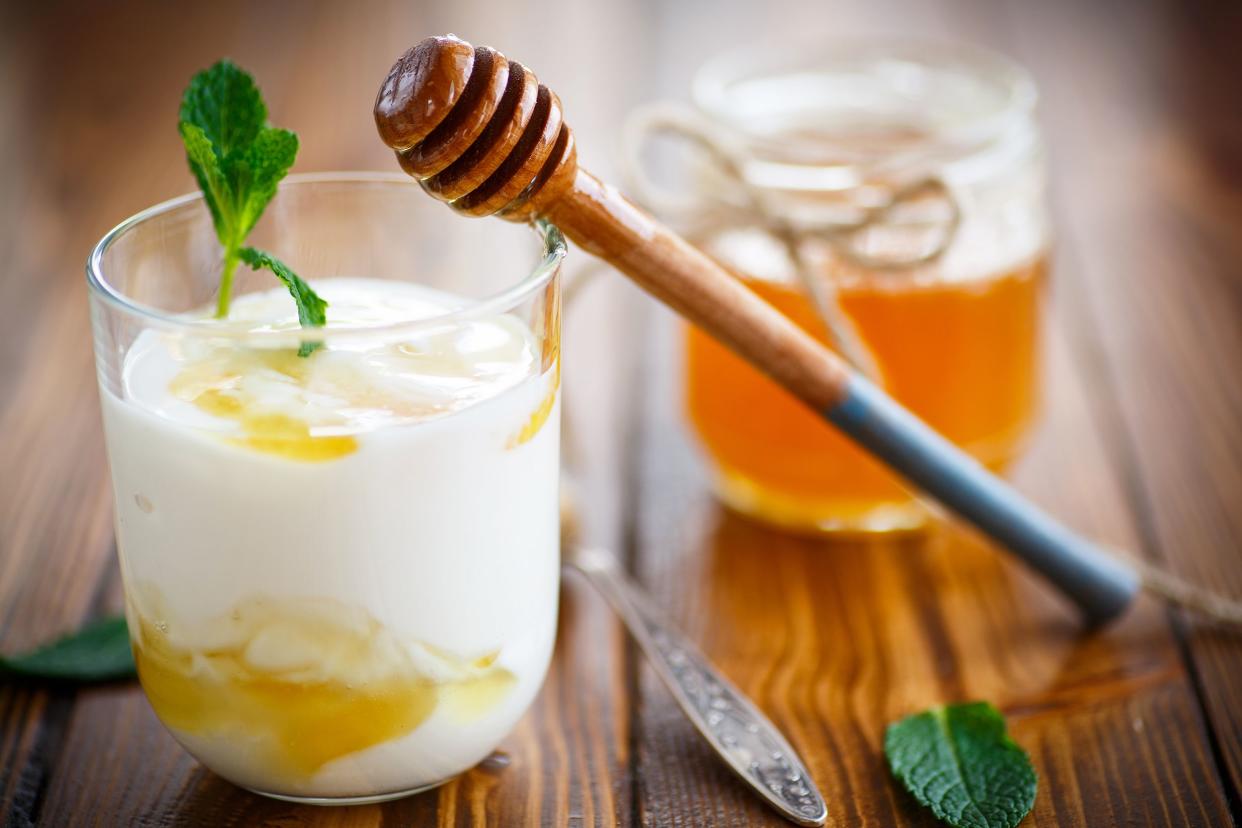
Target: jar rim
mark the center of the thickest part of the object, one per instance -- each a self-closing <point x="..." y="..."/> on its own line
<point x="1009" y="88"/>
<point x="552" y="254"/>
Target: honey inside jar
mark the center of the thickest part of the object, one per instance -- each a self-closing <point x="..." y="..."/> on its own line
<point x="906" y="180"/>
<point x="961" y="355"/>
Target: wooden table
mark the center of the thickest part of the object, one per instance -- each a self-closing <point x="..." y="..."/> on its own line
<point x="1141" y="446"/>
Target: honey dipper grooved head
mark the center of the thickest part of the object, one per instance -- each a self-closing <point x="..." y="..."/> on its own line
<point x="476" y="130"/>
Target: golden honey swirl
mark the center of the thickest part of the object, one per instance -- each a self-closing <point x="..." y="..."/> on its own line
<point x="304" y="684"/>
<point x="215" y="387"/>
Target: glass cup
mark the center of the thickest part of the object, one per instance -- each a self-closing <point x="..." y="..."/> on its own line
<point x="914" y="176"/>
<point x="340" y="570"/>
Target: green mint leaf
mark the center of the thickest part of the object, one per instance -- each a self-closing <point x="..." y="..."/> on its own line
<point x="97" y="652"/>
<point x="236" y="157"/>
<point x="259" y="171"/>
<point x="959" y="762"/>
<point x="311" y="308"/>
<point x="205" y="165"/>
<point x="226" y="104"/>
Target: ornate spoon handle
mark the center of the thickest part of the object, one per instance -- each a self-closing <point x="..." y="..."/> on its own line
<point x="749" y="743"/>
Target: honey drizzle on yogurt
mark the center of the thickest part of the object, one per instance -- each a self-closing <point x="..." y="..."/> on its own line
<point x="541" y="413"/>
<point x="312" y="409"/>
<point x="213" y="387"/>
<point x="305" y="682"/>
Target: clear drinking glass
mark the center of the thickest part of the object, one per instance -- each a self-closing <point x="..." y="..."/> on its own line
<point x="340" y="570"/>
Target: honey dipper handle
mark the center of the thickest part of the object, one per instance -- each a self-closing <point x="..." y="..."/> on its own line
<point x="600" y="220"/>
<point x="603" y="222"/>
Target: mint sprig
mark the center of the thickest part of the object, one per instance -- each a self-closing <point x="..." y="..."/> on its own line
<point x="239" y="160"/>
<point x="98" y="652"/>
<point x="311" y="309"/>
<point x="959" y="762"/>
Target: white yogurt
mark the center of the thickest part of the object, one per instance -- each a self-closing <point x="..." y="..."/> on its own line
<point x="379" y="518"/>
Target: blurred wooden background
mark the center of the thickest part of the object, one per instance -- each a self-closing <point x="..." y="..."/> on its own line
<point x="1141" y="445"/>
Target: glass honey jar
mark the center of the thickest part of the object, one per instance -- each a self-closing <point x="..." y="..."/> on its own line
<point x="893" y="204"/>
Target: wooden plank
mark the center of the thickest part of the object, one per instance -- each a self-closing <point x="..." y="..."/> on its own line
<point x="54" y="510"/>
<point x="834" y="640"/>
<point x="1145" y="125"/>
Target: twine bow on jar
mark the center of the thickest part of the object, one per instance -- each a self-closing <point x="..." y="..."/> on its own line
<point x="879" y="200"/>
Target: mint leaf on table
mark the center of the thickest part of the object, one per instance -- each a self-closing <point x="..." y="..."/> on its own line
<point x="311" y="308"/>
<point x="959" y="762"/>
<point x="97" y="652"/>
<point x="238" y="160"/>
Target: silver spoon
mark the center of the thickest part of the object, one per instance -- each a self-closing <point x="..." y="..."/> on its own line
<point x="749" y="744"/>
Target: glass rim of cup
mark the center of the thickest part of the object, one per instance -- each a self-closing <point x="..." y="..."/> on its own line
<point x="512" y="295"/>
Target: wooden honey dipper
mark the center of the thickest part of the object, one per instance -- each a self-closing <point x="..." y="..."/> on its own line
<point x="482" y="134"/>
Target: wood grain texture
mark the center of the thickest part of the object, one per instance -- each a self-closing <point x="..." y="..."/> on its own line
<point x="1151" y="199"/>
<point x="1141" y="447"/>
<point x="835" y="640"/>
